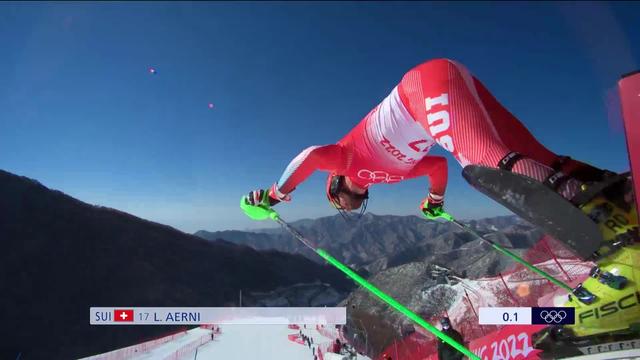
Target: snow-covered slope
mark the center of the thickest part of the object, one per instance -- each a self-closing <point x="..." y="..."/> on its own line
<point x="265" y="342"/>
<point x="261" y="342"/>
<point x="167" y="350"/>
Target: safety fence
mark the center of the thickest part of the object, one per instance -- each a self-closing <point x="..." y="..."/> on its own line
<point x="295" y="338"/>
<point x="214" y="328"/>
<point x="517" y="286"/>
<point x="321" y="348"/>
<point x="131" y="351"/>
<point x="189" y="348"/>
<point x="327" y="347"/>
<point x="330" y="332"/>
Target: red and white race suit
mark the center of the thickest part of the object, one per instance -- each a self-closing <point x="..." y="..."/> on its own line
<point x="436" y="102"/>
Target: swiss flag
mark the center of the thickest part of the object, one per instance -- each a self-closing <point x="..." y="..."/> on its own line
<point x="123" y="315"/>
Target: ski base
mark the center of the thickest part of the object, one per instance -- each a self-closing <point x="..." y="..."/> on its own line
<point x="536" y="203"/>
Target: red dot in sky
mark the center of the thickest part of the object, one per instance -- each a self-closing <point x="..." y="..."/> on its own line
<point x="210" y="106"/>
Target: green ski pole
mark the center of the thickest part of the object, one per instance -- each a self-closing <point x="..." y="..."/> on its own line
<point x="581" y="293"/>
<point x="374" y="290"/>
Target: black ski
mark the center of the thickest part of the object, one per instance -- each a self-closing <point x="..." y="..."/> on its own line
<point x="541" y="206"/>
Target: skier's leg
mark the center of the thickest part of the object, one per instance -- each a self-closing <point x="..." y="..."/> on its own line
<point x="621" y="220"/>
<point x="614" y="214"/>
<point x="511" y="131"/>
<point x="441" y="95"/>
<point x="518" y="138"/>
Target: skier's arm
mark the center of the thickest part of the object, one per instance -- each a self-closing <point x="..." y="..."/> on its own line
<point x="257" y="204"/>
<point x="327" y="157"/>
<point x="435" y="168"/>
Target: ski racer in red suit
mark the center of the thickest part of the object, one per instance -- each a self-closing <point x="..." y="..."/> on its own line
<point x="437" y="102"/>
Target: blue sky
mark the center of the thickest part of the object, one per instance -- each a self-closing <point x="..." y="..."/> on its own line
<point x="81" y="113"/>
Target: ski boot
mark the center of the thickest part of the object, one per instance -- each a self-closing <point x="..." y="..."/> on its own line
<point x="609" y="203"/>
<point x="613" y="314"/>
<point x="616" y="278"/>
<point x="616" y="283"/>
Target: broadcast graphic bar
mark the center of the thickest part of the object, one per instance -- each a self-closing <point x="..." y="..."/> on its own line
<point x="217" y="315"/>
<point x="527" y="315"/>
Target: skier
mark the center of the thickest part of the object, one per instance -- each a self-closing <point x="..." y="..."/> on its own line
<point x="441" y="102"/>
<point x="446" y="351"/>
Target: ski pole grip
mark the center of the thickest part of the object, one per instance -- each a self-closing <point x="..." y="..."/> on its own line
<point x="257" y="212"/>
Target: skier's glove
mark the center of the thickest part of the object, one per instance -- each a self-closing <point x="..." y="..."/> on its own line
<point x="433" y="210"/>
<point x="261" y="198"/>
<point x="257" y="204"/>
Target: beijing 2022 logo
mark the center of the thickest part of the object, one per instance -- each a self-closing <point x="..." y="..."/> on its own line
<point x="553" y="315"/>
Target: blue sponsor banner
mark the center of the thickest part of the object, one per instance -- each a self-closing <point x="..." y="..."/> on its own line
<point x="553" y="316"/>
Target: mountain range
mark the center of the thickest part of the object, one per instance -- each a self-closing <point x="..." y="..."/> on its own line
<point x="375" y="243"/>
<point x="62" y="256"/>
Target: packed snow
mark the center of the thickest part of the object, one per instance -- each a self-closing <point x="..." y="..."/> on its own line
<point x="237" y="342"/>
<point x="263" y="342"/>
<point x="166" y="350"/>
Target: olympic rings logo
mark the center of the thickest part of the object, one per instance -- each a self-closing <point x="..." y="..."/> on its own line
<point x="553" y="316"/>
<point x="378" y="176"/>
